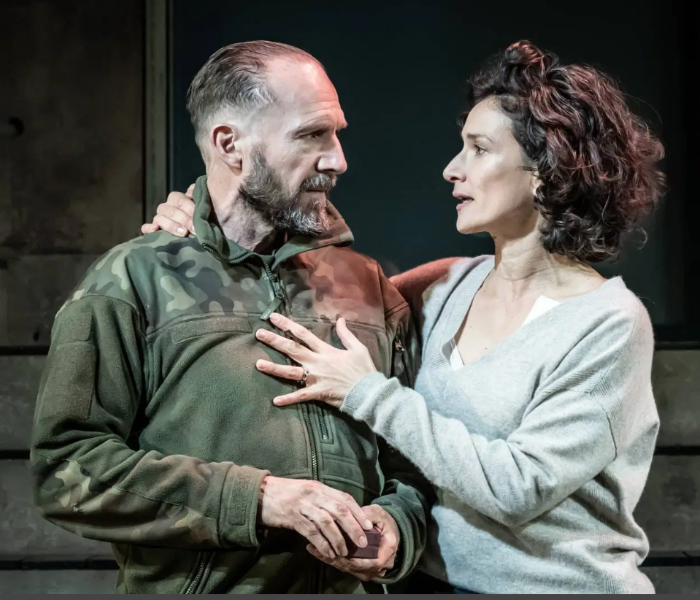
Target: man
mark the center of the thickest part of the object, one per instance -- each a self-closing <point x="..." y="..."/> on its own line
<point x="154" y="430"/>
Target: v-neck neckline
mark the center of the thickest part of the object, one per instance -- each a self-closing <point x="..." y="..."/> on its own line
<point x="475" y="284"/>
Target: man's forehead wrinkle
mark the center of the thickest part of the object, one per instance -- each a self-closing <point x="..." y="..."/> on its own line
<point x="302" y="112"/>
<point x="321" y="117"/>
<point x="322" y="110"/>
<point x="322" y="113"/>
<point x="307" y="97"/>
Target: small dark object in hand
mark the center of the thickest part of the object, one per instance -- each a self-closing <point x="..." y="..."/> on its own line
<point x="371" y="550"/>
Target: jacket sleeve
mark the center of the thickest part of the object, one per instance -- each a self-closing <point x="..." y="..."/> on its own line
<point x="407" y="494"/>
<point x="89" y="475"/>
<point x="416" y="284"/>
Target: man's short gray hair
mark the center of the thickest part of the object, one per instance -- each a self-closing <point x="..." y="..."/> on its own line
<point x="234" y="77"/>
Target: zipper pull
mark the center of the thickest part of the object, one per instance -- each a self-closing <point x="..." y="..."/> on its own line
<point x="274" y="305"/>
<point x="400" y="370"/>
<point x="274" y="280"/>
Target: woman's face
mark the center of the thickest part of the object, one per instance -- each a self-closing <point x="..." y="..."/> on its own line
<point x="494" y="191"/>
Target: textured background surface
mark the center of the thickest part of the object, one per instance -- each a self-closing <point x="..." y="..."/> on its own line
<point x="71" y="187"/>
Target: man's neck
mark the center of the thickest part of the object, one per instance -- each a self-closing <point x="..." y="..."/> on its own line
<point x="239" y="222"/>
<point x="245" y="226"/>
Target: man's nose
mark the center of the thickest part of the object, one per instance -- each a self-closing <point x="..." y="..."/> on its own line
<point x="333" y="161"/>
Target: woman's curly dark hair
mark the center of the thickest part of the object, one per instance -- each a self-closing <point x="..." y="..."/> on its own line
<point x="597" y="162"/>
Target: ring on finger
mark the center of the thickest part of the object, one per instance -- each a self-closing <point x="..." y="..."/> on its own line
<point x="304" y="377"/>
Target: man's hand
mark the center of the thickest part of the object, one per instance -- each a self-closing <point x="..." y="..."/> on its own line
<point x="366" y="569"/>
<point x="315" y="511"/>
<point x="175" y="215"/>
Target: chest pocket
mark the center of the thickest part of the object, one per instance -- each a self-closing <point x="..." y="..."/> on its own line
<point x="179" y="349"/>
<point x="182" y="332"/>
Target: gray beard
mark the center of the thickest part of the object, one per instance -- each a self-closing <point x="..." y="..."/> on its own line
<point x="265" y="193"/>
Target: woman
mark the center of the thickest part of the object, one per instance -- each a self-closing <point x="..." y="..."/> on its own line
<point x="533" y="412"/>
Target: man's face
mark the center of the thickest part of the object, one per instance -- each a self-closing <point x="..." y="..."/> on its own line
<point x="296" y="157"/>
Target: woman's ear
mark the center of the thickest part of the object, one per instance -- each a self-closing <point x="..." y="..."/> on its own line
<point x="535" y="182"/>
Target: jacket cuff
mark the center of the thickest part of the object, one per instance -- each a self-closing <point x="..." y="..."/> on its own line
<point x="238" y="522"/>
<point x="405" y="556"/>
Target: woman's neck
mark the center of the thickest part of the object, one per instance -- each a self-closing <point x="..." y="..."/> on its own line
<point x="524" y="268"/>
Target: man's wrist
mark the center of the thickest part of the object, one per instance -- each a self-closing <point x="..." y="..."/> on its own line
<point x="260" y="528"/>
<point x="261" y="494"/>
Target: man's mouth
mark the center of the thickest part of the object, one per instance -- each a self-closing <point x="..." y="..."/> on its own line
<point x="320" y="183"/>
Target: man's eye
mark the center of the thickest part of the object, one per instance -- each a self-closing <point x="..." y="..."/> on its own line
<point x="315" y="135"/>
<point x="479" y="150"/>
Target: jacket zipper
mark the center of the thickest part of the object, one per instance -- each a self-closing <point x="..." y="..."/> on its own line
<point x="323" y="426"/>
<point x="312" y="441"/>
<point x="279" y="298"/>
<point x="305" y="408"/>
<point x="206" y="558"/>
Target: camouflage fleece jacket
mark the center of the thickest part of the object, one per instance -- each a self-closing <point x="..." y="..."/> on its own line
<point x="153" y="428"/>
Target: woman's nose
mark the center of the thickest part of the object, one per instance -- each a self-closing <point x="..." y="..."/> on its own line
<point x="452" y="173"/>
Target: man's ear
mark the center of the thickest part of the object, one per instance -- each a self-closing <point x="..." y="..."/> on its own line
<point x="225" y="140"/>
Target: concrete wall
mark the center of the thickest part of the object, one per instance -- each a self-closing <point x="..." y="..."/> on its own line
<point x="71" y="187"/>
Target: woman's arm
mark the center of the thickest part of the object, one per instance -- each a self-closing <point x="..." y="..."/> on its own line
<point x="565" y="439"/>
<point x="560" y="445"/>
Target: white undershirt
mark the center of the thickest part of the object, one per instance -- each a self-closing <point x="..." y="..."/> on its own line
<point x="541" y="306"/>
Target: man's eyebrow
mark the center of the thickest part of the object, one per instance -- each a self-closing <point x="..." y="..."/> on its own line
<point x="320" y="124"/>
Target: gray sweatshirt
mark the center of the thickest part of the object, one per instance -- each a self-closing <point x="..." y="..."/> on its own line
<point x="539" y="450"/>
